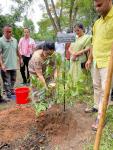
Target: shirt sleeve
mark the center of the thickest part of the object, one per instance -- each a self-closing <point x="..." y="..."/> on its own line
<point x="16" y="45"/>
<point x="20" y="45"/>
<point x="37" y="64"/>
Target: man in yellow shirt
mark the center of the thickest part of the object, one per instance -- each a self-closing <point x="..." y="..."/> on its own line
<point x="101" y="50"/>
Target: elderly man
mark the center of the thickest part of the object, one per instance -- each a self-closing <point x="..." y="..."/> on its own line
<point x="101" y="50"/>
<point x="8" y="55"/>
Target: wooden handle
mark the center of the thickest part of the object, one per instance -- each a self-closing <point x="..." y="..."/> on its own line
<point x="104" y="103"/>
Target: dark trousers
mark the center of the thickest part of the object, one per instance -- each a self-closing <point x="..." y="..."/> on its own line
<point x="9" y="79"/>
<point x="24" y="68"/>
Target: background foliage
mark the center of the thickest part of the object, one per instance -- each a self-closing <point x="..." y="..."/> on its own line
<point x="57" y="16"/>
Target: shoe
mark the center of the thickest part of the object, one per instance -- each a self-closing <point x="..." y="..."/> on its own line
<point x="91" y="110"/>
<point x="23" y="84"/>
<point x="13" y="97"/>
<point x="2" y="100"/>
<point x="95" y="125"/>
<point x="12" y="92"/>
<point x="9" y="96"/>
<point x="27" y="84"/>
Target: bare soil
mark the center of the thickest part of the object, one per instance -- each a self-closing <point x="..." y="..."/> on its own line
<point x="20" y="129"/>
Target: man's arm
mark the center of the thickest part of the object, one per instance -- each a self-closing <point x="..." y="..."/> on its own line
<point x="2" y="66"/>
<point x="90" y="59"/>
<point x="20" y="57"/>
<point x="18" y="52"/>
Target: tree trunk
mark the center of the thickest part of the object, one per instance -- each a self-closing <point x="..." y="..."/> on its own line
<point x="56" y="17"/>
<point x="70" y="13"/>
<point x="74" y="13"/>
<point x="50" y="16"/>
<point x="61" y="10"/>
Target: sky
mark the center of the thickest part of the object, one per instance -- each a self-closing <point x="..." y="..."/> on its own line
<point x="34" y="11"/>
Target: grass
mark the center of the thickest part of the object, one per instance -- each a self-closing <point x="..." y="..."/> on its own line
<point x="106" y="139"/>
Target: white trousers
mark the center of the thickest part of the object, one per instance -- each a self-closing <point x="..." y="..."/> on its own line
<point x="99" y="81"/>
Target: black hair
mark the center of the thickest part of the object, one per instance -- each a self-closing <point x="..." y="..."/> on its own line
<point x="49" y="46"/>
<point x="80" y="25"/>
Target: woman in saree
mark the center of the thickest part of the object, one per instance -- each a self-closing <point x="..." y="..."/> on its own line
<point x="79" y="51"/>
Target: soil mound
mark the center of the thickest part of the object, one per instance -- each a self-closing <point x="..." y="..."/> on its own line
<point x="57" y="123"/>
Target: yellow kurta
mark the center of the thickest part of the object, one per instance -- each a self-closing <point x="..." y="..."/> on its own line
<point x="103" y="40"/>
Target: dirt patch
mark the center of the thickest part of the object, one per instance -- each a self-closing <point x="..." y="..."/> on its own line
<point x="55" y="129"/>
<point x="15" y="123"/>
<point x="68" y="130"/>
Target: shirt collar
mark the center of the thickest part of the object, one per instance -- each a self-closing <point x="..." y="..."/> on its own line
<point x="109" y="15"/>
<point x="7" y="40"/>
<point x="26" y="38"/>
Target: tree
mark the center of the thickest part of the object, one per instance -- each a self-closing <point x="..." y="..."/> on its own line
<point x="55" y="21"/>
<point x="17" y="13"/>
<point x="21" y="10"/>
<point x="29" y="24"/>
<point x="64" y="14"/>
<point x="87" y="14"/>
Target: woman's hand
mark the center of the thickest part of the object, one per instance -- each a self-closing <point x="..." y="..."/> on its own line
<point x="79" y="53"/>
<point x="74" y="57"/>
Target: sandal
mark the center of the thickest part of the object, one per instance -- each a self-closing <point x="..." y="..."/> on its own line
<point x="95" y="125"/>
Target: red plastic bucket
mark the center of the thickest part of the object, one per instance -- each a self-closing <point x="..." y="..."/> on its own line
<point x="22" y="95"/>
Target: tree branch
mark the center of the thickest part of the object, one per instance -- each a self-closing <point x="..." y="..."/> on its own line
<point x="56" y="17"/>
<point x="50" y="16"/>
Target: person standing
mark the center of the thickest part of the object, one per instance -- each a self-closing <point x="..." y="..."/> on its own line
<point x="78" y="52"/>
<point x="26" y="47"/>
<point x="101" y="49"/>
<point x="8" y="58"/>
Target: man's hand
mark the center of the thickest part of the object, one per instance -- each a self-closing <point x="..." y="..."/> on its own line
<point x="3" y="67"/>
<point x="20" y="61"/>
<point x="88" y="64"/>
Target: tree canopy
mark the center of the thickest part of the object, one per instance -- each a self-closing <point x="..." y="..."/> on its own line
<point x="57" y="16"/>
